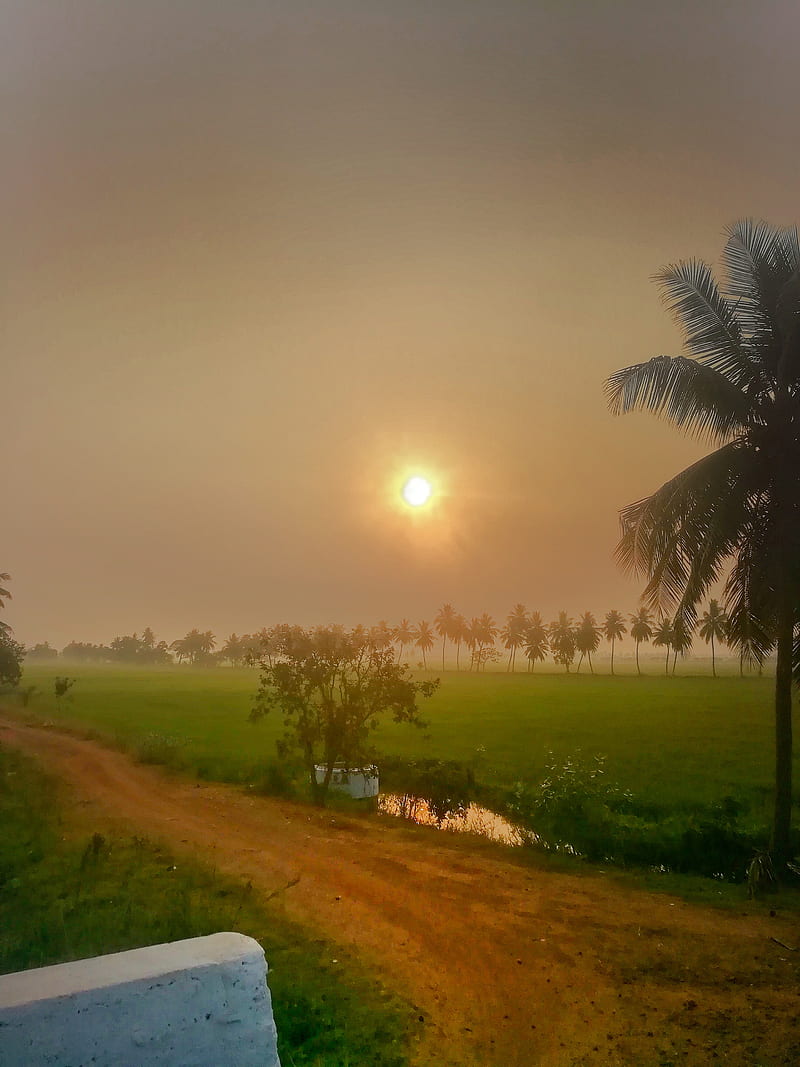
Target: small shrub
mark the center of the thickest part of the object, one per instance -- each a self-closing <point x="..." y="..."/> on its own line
<point x="275" y="780"/>
<point x="159" y="749"/>
<point x="26" y="694"/>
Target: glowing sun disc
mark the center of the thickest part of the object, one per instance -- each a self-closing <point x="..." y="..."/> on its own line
<point x="417" y="491"/>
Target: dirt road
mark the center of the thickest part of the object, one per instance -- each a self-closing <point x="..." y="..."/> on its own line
<point x="511" y="966"/>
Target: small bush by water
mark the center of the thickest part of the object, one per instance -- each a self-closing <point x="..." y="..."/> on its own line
<point x="577" y="807"/>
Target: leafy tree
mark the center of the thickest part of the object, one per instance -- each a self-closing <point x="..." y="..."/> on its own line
<point x="713" y="627"/>
<point x="424" y="641"/>
<point x="562" y="640"/>
<point x="662" y="637"/>
<point x="4" y="596"/>
<point x="332" y="686"/>
<point x="403" y="635"/>
<point x="12" y="654"/>
<point x="641" y="630"/>
<point x="85" y="652"/>
<point x="587" y="638"/>
<point x="537" y="644"/>
<point x="513" y="633"/>
<point x="613" y="629"/>
<point x="42" y="651"/>
<point x="737" y="511"/>
<point x="444" y="624"/>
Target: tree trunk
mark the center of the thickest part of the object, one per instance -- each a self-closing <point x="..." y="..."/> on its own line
<point x="781" y="826"/>
<point x="666" y="663"/>
<point x="612" y="656"/>
<point x="591" y="668"/>
<point x="444" y="643"/>
<point x="713" y="661"/>
<point x="638" y="668"/>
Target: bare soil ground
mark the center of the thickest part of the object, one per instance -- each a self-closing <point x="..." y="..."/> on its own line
<point x="506" y="964"/>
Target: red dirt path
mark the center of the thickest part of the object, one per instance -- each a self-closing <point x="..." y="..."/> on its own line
<point x="510" y="965"/>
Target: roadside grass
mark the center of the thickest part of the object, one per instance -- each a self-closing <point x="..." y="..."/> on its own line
<point x="67" y="893"/>
<point x="674" y="742"/>
<point x="688" y="765"/>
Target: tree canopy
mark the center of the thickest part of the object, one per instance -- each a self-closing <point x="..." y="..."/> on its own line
<point x="332" y="686"/>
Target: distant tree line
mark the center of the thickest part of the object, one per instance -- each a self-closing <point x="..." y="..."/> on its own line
<point x="473" y="642"/>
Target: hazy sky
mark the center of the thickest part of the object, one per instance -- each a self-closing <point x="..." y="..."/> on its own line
<point x="260" y="259"/>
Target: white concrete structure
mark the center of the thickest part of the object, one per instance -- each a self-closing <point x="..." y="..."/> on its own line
<point x="359" y="782"/>
<point x="197" y="1003"/>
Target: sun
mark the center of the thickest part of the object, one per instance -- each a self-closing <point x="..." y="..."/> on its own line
<point x="417" y="491"/>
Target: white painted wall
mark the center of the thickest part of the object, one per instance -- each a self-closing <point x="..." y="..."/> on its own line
<point x="203" y="1002"/>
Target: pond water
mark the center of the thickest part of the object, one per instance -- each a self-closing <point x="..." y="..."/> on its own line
<point x="472" y="820"/>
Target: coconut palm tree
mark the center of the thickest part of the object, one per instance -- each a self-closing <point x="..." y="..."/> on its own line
<point x="424" y="641"/>
<point x="513" y="633"/>
<point x="380" y="635"/>
<point x="459" y="636"/>
<point x="587" y="638"/>
<point x="444" y="624"/>
<point x="487" y="632"/>
<point x="562" y="640"/>
<point x="713" y="626"/>
<point x="536" y="643"/>
<point x="403" y="635"/>
<point x="737" y="511"/>
<point x="662" y="636"/>
<point x="641" y="630"/>
<point x="613" y="629"/>
<point x="682" y="636"/>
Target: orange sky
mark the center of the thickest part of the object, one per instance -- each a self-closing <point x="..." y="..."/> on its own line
<point x="260" y="259"/>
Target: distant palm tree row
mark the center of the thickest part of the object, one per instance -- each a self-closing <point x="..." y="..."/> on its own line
<point x="475" y="641"/>
<point x="564" y="638"/>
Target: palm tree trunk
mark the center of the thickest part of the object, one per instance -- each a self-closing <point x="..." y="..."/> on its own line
<point x="638" y="668"/>
<point x="591" y="668"/>
<point x="781" y="826"/>
<point x="444" y="642"/>
<point x="510" y="654"/>
<point x="713" y="661"/>
<point x="612" y="656"/>
<point x="666" y="662"/>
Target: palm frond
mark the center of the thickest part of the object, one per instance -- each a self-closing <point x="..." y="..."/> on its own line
<point x="709" y="321"/>
<point x="681" y="535"/>
<point x="690" y="394"/>
<point x="749" y="602"/>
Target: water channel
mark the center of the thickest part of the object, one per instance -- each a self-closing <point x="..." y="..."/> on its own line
<point x="471" y="820"/>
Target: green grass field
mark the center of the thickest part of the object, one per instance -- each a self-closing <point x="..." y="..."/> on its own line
<point x="675" y="742"/>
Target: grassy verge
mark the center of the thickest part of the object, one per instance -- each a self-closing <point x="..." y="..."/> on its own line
<point x="67" y="893"/>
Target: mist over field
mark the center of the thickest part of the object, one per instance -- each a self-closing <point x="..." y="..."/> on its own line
<point x="263" y="262"/>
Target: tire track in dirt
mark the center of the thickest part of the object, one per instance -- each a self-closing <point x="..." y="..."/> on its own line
<point x="510" y="965"/>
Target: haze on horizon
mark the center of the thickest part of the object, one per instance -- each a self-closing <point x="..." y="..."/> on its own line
<point x="262" y="261"/>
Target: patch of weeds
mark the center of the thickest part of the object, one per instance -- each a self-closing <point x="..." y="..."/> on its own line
<point x="160" y="749"/>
